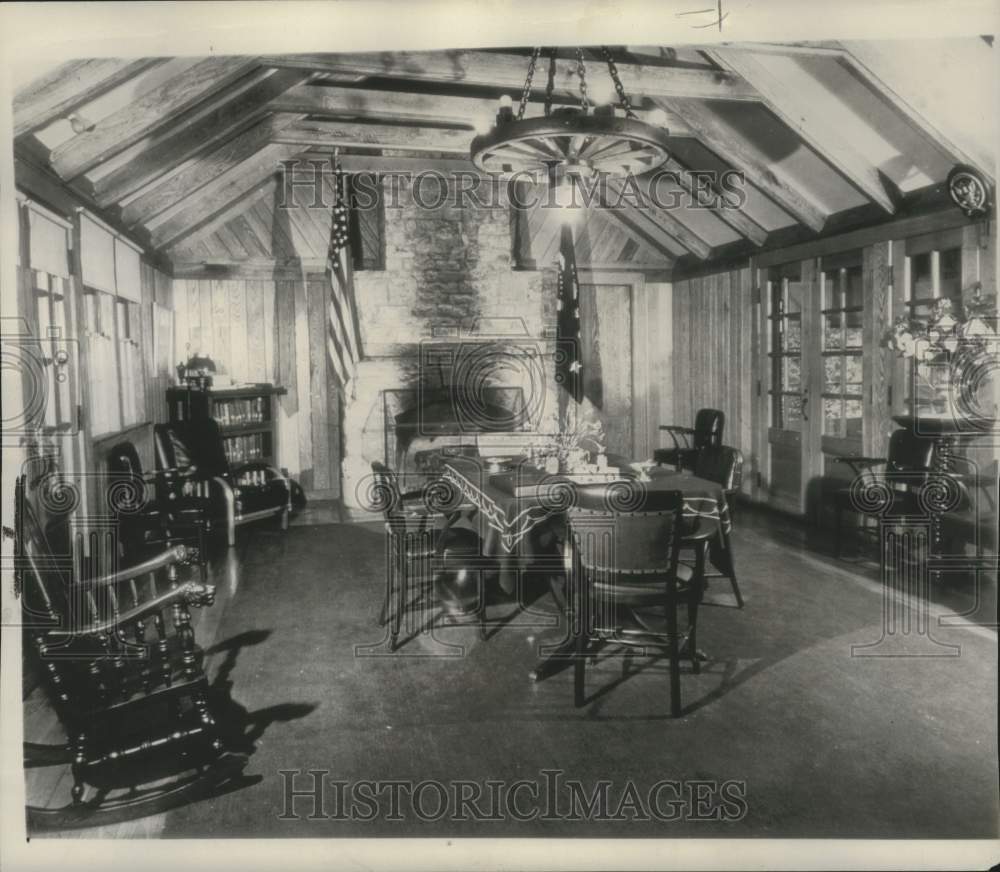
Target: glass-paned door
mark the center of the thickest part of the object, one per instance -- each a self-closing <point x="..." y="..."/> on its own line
<point x="842" y="289"/>
<point x="787" y="392"/>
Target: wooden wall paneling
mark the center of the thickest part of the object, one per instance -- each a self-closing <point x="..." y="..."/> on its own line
<point x="183" y="319"/>
<point x="146" y="315"/>
<point x="269" y="332"/>
<point x="191" y="330"/>
<point x="316" y="302"/>
<point x="221" y="342"/>
<point x="987" y="257"/>
<point x="238" y="330"/>
<point x="257" y="359"/>
<point x="640" y="361"/>
<point x="303" y="382"/>
<point x="74" y="329"/>
<point x="205" y="292"/>
<point x="89" y="497"/>
<point x="333" y="431"/>
<point x="286" y="372"/>
<point x="163" y="288"/>
<point x="681" y="363"/>
<point x="877" y="363"/>
<point x="761" y="381"/>
<point x="900" y="280"/>
<point x="748" y="370"/>
<point x="661" y="339"/>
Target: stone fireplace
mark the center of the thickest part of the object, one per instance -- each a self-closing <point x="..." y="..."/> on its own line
<point x="450" y="327"/>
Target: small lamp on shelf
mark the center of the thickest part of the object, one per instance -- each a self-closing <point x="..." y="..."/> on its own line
<point x="198" y="372"/>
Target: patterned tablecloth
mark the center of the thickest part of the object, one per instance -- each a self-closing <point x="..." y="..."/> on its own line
<point x="517" y="508"/>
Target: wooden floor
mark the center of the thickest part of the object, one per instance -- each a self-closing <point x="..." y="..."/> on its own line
<point x="780" y="692"/>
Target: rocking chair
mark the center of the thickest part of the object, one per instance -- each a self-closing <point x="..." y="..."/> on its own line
<point x="118" y="657"/>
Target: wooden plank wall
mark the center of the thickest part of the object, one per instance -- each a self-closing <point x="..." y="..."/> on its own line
<point x="254" y="329"/>
<point x="712" y="352"/>
<point x="652" y="340"/>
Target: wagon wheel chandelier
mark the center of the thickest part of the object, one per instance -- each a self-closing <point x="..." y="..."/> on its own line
<point x="586" y="140"/>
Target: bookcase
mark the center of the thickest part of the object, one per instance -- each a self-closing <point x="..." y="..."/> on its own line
<point x="247" y="417"/>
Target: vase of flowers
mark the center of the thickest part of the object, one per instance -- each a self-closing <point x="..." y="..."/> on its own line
<point x="956" y="355"/>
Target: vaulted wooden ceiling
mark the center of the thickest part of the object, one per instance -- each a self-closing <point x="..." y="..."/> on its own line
<point x="183" y="152"/>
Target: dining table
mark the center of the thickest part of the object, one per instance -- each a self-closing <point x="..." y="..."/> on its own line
<point x="518" y="510"/>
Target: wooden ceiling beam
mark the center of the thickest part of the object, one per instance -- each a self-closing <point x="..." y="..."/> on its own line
<point x="154" y="109"/>
<point x="320" y="100"/>
<point x="737" y="219"/>
<point x="741" y="155"/>
<point x="170" y="226"/>
<point x="661" y="229"/>
<point x="200" y="171"/>
<point x="69" y="86"/>
<point x="193" y="133"/>
<point x="344" y="134"/>
<point x="807" y="122"/>
<point x="495" y="69"/>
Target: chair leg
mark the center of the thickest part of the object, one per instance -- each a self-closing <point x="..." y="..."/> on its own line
<point x="674" y="648"/>
<point x="397" y="585"/>
<point x="481" y="610"/>
<point x="383" y="615"/>
<point x="727" y="550"/>
<point x="579" y="670"/>
<point x="836" y="531"/>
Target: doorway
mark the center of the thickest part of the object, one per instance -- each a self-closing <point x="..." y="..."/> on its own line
<point x="611" y="343"/>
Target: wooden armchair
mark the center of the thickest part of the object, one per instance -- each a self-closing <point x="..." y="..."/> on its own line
<point x="688" y="441"/>
<point x="906" y="467"/>
<point x="724" y="466"/>
<point x="237" y="495"/>
<point x="118" y="656"/>
<point x="628" y="581"/>
<point x="419" y="538"/>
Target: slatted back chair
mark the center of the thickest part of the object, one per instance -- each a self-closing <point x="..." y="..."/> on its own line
<point x="125" y="676"/>
<point x="418" y="538"/>
<point x="907" y="465"/>
<point x="689" y="441"/>
<point x="724" y="466"/>
<point x="628" y="579"/>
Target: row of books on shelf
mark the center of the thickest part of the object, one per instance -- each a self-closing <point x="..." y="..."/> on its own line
<point x="240" y="449"/>
<point x="254" y="410"/>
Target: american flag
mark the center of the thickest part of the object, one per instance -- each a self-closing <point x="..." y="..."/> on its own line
<point x="342" y="331"/>
<point x="568" y="319"/>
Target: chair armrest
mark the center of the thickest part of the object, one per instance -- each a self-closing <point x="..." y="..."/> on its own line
<point x="258" y="466"/>
<point x="270" y="473"/>
<point x="175" y="554"/>
<point x="191" y="592"/>
<point x="176" y="473"/>
<point x="680" y="435"/>
<point x="860" y="463"/>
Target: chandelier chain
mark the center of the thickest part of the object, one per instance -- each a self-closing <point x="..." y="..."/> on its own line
<point x="581" y="71"/>
<point x="535" y="52"/>
<point x="551" y="83"/>
<point x="619" y="87"/>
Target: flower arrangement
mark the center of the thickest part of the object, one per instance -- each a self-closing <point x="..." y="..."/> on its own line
<point x="580" y="433"/>
<point x="962" y="348"/>
<point x="946" y="334"/>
